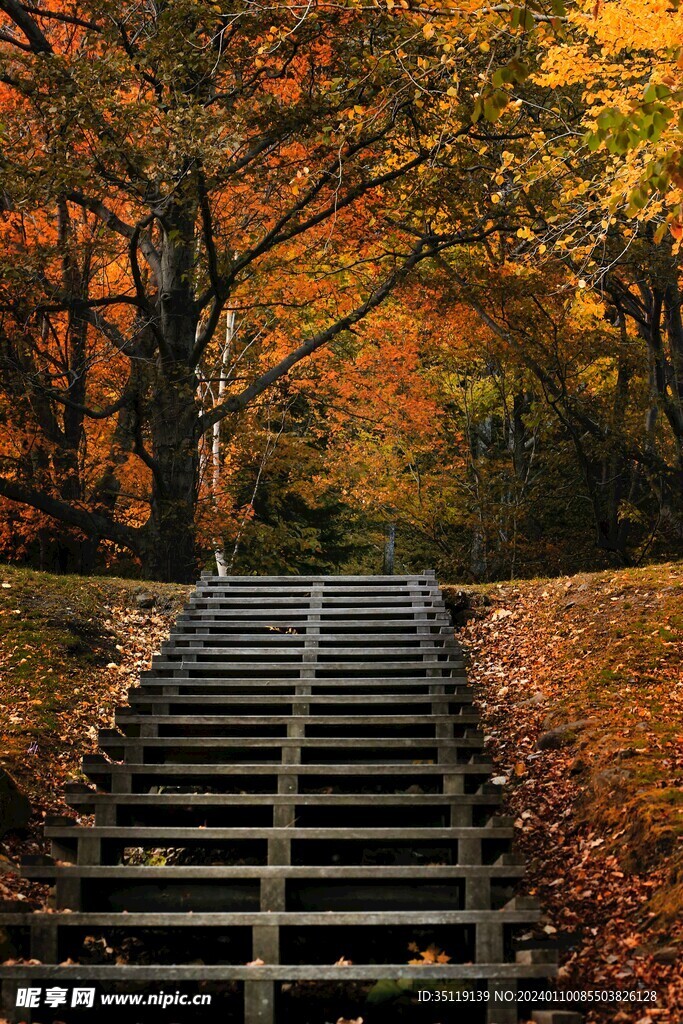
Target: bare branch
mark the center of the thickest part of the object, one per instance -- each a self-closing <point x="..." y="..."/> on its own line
<point x="235" y="403"/>
<point x="6" y="37"/>
<point x="121" y="227"/>
<point x="94" y="524"/>
<point x="67" y="19"/>
<point x="25" y="23"/>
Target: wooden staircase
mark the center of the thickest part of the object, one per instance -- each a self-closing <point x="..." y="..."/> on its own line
<point x="298" y="780"/>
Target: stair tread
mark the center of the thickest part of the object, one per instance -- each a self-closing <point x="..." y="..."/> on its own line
<point x="372" y="719"/>
<point x="375" y="872"/>
<point x="170" y="832"/>
<point x="473" y="742"/>
<point x="282" y="799"/>
<point x="268" y="918"/>
<point x="480" y="768"/>
<point x="279" y="972"/>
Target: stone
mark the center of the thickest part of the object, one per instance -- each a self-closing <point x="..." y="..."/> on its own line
<point x="667" y="954"/>
<point x="461" y="618"/>
<point x="457" y="600"/>
<point x="610" y="780"/>
<point x="536" y="698"/>
<point x="15" y="808"/>
<point x="562" y="735"/>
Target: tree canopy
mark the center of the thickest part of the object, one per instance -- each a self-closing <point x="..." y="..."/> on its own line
<point x="273" y="278"/>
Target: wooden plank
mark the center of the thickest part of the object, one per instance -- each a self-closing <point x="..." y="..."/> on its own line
<point x="275" y="919"/>
<point x="280" y="972"/>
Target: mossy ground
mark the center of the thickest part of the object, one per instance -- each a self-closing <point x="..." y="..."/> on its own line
<point x="69" y="648"/>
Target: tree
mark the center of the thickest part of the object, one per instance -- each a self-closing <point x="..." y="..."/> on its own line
<point x="213" y="152"/>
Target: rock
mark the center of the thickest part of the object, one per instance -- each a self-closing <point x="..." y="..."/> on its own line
<point x="465" y="605"/>
<point x="15" y="809"/>
<point x="667" y="954"/>
<point x="144" y="600"/>
<point x="461" y="618"/>
<point x="457" y="600"/>
<point x="536" y="698"/>
<point x="610" y="780"/>
<point x="562" y="735"/>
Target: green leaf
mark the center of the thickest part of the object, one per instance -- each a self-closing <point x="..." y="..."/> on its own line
<point x="495" y="104"/>
<point x="608" y="118"/>
<point x="519" y="70"/>
<point x="384" y="990"/>
<point x="621" y="142"/>
<point x="660" y="232"/>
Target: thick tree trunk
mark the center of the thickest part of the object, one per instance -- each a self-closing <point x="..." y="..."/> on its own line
<point x="170" y="540"/>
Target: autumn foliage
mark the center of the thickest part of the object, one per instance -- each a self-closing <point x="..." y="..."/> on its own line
<point x="274" y="283"/>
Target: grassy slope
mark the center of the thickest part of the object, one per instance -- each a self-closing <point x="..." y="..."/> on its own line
<point x="601" y="820"/>
<point x="69" y="648"/>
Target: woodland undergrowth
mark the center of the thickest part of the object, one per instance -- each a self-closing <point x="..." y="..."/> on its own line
<point x="598" y="812"/>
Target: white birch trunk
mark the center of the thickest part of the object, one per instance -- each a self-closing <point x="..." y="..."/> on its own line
<point x="219" y="546"/>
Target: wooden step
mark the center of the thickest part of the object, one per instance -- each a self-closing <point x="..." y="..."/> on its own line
<point x="138" y="695"/>
<point x="315" y="671"/>
<point x="273" y="919"/>
<point x="275" y="972"/>
<point x="126" y="718"/>
<point x="170" y="836"/>
<point x="453" y="682"/>
<point x="386" y="830"/>
<point x="411" y="873"/>
<point x="94" y="799"/>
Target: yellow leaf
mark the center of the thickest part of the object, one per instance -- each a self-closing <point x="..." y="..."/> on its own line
<point x="428" y="30"/>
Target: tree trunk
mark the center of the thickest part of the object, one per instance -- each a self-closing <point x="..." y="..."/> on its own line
<point x="170" y="537"/>
<point x="170" y="540"/>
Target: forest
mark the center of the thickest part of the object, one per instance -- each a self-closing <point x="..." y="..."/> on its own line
<point x="278" y="281"/>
